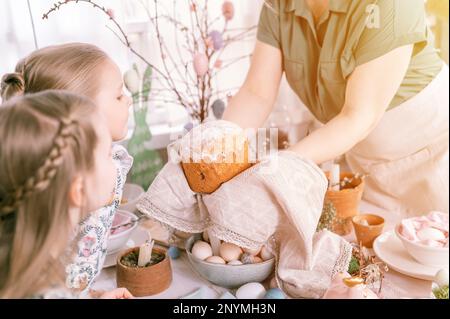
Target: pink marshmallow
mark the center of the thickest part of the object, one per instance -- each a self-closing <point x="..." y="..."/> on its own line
<point x="412" y="226"/>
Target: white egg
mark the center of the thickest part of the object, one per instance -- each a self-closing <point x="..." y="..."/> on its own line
<point x="252" y="290"/>
<point x="235" y="263"/>
<point x="253" y="252"/>
<point x="215" y="260"/>
<point x="250" y="259"/>
<point x="201" y="250"/>
<point x="441" y="278"/>
<point x="266" y="254"/>
<point x="430" y="234"/>
<point x="230" y="252"/>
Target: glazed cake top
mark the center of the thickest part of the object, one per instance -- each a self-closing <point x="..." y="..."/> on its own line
<point x="211" y="142"/>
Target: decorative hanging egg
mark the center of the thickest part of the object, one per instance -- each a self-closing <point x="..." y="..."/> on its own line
<point x="218" y="108"/>
<point x="274" y="293"/>
<point x="228" y="10"/>
<point x="266" y="254"/>
<point x="230" y="251"/>
<point x="250" y="259"/>
<point x="174" y="252"/>
<point x="200" y="64"/>
<point x="215" y="260"/>
<point x="111" y="13"/>
<point x="252" y="290"/>
<point x="188" y="126"/>
<point x="201" y="250"/>
<point x="217" y="39"/>
<point x="132" y="81"/>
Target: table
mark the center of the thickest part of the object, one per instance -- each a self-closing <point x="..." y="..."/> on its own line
<point x="186" y="280"/>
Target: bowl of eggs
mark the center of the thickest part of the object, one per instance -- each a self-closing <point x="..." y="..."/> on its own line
<point x="233" y="266"/>
<point x="425" y="238"/>
<point x="130" y="197"/>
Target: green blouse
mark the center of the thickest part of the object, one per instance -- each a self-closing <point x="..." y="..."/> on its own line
<point x="319" y="57"/>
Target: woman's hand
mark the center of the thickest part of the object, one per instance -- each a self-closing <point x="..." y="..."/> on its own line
<point x="370" y="90"/>
<point x="252" y="105"/>
<point x="119" y="293"/>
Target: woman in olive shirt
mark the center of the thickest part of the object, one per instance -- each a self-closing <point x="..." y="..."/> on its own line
<point x="368" y="70"/>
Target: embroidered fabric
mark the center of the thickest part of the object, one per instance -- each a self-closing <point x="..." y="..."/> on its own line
<point x="94" y="231"/>
<point x="280" y="199"/>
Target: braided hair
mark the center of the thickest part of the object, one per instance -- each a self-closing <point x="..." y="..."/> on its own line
<point x="44" y="174"/>
<point x="47" y="139"/>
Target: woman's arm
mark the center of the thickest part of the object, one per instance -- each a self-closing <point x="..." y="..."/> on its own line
<point x="252" y="105"/>
<point x="370" y="89"/>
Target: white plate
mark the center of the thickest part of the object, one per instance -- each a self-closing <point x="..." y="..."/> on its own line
<point x="137" y="238"/>
<point x="391" y="251"/>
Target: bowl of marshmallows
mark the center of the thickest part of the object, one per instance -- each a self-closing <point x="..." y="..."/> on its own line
<point x="425" y="238"/>
<point x="233" y="266"/>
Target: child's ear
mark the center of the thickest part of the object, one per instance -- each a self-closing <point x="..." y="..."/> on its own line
<point x="76" y="192"/>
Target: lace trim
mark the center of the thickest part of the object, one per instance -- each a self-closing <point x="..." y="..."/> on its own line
<point x="343" y="261"/>
<point x="222" y="233"/>
<point x="230" y="236"/>
<point x="148" y="208"/>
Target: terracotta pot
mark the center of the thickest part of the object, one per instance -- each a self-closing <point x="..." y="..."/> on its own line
<point x="145" y="281"/>
<point x="367" y="232"/>
<point x="346" y="202"/>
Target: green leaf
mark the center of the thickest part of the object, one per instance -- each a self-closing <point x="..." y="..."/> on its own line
<point x="354" y="266"/>
<point x="147" y="83"/>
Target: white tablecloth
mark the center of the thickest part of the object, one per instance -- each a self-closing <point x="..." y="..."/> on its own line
<point x="186" y="280"/>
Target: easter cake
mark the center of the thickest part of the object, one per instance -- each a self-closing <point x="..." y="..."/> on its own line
<point x="212" y="154"/>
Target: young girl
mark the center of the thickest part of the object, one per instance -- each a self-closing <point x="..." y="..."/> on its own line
<point x="55" y="166"/>
<point x="85" y="70"/>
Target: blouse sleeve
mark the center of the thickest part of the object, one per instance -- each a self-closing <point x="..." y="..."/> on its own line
<point x="269" y="24"/>
<point x="391" y="24"/>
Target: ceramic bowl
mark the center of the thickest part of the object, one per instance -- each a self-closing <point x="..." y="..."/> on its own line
<point x="117" y="240"/>
<point x="130" y="197"/>
<point x="229" y="276"/>
<point x="429" y="256"/>
<point x="367" y="228"/>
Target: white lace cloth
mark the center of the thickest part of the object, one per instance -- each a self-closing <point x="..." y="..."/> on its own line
<point x="278" y="201"/>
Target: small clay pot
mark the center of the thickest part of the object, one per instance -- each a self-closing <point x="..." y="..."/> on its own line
<point x="366" y="233"/>
<point x="145" y="281"/>
<point x="346" y="202"/>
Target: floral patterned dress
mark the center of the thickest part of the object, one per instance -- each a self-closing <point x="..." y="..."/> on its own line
<point x="94" y="231"/>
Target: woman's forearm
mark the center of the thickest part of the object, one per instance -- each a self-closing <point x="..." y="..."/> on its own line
<point x="370" y="90"/>
<point x="247" y="109"/>
<point x="252" y="105"/>
<point x="335" y="138"/>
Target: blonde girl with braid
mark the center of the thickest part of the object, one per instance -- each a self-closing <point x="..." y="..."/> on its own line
<point x="55" y="167"/>
<point x="85" y="70"/>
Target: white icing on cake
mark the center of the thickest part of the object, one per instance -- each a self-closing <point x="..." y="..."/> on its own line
<point x="214" y="141"/>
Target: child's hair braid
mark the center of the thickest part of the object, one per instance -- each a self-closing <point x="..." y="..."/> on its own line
<point x="44" y="175"/>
